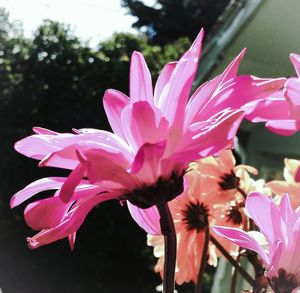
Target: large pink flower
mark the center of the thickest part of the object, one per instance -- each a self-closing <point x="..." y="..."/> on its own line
<point x="156" y="135"/>
<point x="280" y="226"/>
<point x="281" y="111"/>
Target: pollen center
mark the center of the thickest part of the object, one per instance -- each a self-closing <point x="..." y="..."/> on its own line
<point x="196" y="216"/>
<point x="229" y="181"/>
<point x="149" y="195"/>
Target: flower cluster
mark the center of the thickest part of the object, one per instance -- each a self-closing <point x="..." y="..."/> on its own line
<point x="212" y="197"/>
<point x="169" y="160"/>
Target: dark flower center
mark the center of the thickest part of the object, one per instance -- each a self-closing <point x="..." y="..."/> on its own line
<point x="196" y="216"/>
<point x="149" y="195"/>
<point x="284" y="283"/>
<point x="229" y="181"/>
<point x="234" y="215"/>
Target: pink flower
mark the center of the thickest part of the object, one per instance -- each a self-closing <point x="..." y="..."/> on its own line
<point x="280" y="226"/>
<point x="156" y="135"/>
<point x="291" y="185"/>
<point x="205" y="203"/>
<point x="281" y="111"/>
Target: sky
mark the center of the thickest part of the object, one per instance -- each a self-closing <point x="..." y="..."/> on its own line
<point x="92" y="20"/>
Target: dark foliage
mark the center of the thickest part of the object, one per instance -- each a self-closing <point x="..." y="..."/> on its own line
<point x="168" y="20"/>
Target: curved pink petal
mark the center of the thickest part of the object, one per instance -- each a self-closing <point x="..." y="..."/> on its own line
<point x="144" y="123"/>
<point x="240" y="91"/>
<point x="292" y="94"/>
<point x="146" y="165"/>
<point x="140" y="79"/>
<point x="38" y="146"/>
<point x="69" y="224"/>
<point x="41" y="130"/>
<point x="41" y="146"/>
<point x="101" y="165"/>
<point x="267" y="109"/>
<point x="205" y="92"/>
<point x="173" y="103"/>
<point x="46" y="213"/>
<point x="114" y="103"/>
<point x="71" y="183"/>
<point x="297" y="175"/>
<point x="164" y="77"/>
<point x="283" y="127"/>
<point x="210" y="140"/>
<point x="36" y="187"/>
<point x="72" y="239"/>
<point x="242" y="239"/>
<point x="264" y="212"/>
<point x="147" y="219"/>
<point x="295" y="58"/>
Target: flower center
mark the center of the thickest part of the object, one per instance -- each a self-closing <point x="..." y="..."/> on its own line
<point x="234" y="215"/>
<point x="284" y="283"/>
<point x="149" y="195"/>
<point x="196" y="216"/>
<point x="229" y="181"/>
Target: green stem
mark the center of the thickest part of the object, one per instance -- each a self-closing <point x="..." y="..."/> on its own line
<point x="168" y="230"/>
<point x="198" y="287"/>
<point x="241" y="270"/>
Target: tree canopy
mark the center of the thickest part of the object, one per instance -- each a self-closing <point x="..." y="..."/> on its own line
<point x="168" y="20"/>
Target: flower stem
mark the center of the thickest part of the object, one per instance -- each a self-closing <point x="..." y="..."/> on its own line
<point x="198" y="287"/>
<point x="234" y="274"/>
<point x="243" y="193"/>
<point x="241" y="270"/>
<point x="168" y="230"/>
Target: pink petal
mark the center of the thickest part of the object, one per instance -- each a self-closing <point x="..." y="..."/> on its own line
<point x="292" y="94"/>
<point x="283" y="127"/>
<point x="144" y="124"/>
<point x="114" y="103"/>
<point x="173" y="103"/>
<point x="264" y="212"/>
<point x="240" y="91"/>
<point x="38" y="146"/>
<point x="232" y="69"/>
<point x="242" y="239"/>
<point x="101" y="165"/>
<point x="71" y="239"/>
<point x="146" y="165"/>
<point x="140" y="79"/>
<point x="285" y="209"/>
<point x="41" y="130"/>
<point x="71" y="182"/>
<point x="297" y="175"/>
<point x="295" y="59"/>
<point x="210" y="140"/>
<point x="205" y="92"/>
<point x="268" y="109"/>
<point x="162" y="81"/>
<point x="36" y="187"/>
<point x="70" y="224"/>
<point x="147" y="219"/>
<point x="45" y="213"/>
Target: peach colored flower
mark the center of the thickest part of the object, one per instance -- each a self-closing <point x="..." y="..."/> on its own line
<point x="210" y="198"/>
<point x="291" y="185"/>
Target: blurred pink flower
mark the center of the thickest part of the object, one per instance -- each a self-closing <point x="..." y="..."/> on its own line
<point x="291" y="185"/>
<point x="281" y="111"/>
<point x="205" y="203"/>
<point x="156" y="135"/>
<point x="278" y="243"/>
